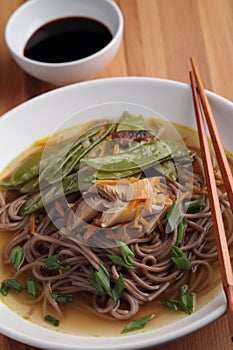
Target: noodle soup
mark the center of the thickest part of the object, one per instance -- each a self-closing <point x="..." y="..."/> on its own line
<point x="121" y="230"/>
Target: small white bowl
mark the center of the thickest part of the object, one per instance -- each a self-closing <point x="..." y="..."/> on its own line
<point x="33" y="14"/>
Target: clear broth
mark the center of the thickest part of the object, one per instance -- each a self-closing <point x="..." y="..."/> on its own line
<point x="79" y="321"/>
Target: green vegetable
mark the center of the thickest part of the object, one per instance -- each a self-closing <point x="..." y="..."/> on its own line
<point x="126" y="253"/>
<point x="180" y="259"/>
<point x="31" y="285"/>
<point x="17" y="257"/>
<point x="118" y="288"/>
<point x="102" y="175"/>
<point x="173" y="216"/>
<point x="141" y="157"/>
<point x="168" y="169"/>
<point x="101" y="280"/>
<point x="11" y="284"/>
<point x="137" y="324"/>
<point x="69" y="185"/>
<point x="194" y="205"/>
<point x="181" y="230"/>
<point x="27" y="169"/>
<point x="65" y="164"/>
<point x="31" y="186"/>
<point x="130" y="121"/>
<point x="185" y="302"/>
<point x="117" y="260"/>
<point x="53" y="263"/>
<point x="5" y="183"/>
<point x="62" y="298"/>
<point x="27" y="172"/>
<point x="50" y="319"/>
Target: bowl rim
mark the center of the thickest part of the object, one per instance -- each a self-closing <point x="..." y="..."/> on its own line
<point x="137" y="341"/>
<point x="116" y="37"/>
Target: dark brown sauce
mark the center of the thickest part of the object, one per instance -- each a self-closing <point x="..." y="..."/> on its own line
<point x="67" y="39"/>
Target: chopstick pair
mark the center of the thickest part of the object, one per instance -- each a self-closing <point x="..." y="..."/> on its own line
<point x="201" y="103"/>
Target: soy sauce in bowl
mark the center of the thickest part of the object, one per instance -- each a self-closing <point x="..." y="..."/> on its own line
<point x="67" y="39"/>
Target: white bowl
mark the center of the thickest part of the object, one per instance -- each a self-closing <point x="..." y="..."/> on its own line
<point x="37" y="119"/>
<point x="34" y="14"/>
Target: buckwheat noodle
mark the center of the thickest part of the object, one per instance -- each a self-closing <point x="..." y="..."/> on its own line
<point x="154" y="275"/>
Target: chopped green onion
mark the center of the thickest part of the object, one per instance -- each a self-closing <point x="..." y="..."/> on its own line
<point x="120" y="262"/>
<point x="194" y="205"/>
<point x="101" y="280"/>
<point x="181" y="230"/>
<point x="173" y="216"/>
<point x="126" y="253"/>
<point x="17" y="257"/>
<point x="53" y="263"/>
<point x="187" y="300"/>
<point x="180" y="259"/>
<point x="118" y="289"/>
<point x="184" y="304"/>
<point x="137" y="324"/>
<point x="62" y="298"/>
<point x="4" y="289"/>
<point x="11" y="284"/>
<point x="50" y="319"/>
<point x="31" y="284"/>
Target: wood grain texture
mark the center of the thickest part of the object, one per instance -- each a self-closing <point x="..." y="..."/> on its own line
<point x="159" y="38"/>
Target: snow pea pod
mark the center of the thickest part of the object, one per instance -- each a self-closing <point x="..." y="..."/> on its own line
<point x="27" y="170"/>
<point x="67" y="156"/>
<point x="70" y="184"/>
<point x="130" y="121"/>
<point x="31" y="186"/>
<point x="77" y="154"/>
<point x="116" y="175"/>
<point x="142" y="157"/>
<point x="168" y="169"/>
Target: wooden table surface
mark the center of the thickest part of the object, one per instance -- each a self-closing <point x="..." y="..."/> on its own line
<point x="159" y="38"/>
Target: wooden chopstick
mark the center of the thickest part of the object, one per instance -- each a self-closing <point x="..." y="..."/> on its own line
<point x="215" y="137"/>
<point x="221" y="241"/>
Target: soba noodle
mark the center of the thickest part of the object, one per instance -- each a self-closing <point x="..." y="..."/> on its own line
<point x="153" y="276"/>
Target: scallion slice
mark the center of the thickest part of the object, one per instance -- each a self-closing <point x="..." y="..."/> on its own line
<point x="181" y="230"/>
<point x="185" y="302"/>
<point x="101" y="280"/>
<point x="52" y="320"/>
<point x="137" y="324"/>
<point x="17" y="257"/>
<point x="118" y="289"/>
<point x="173" y="216"/>
<point x="195" y="205"/>
<point x="62" y="298"/>
<point x="125" y="259"/>
<point x="53" y="263"/>
<point x="31" y="284"/>
<point x="117" y="260"/>
<point x="11" y="284"/>
<point x="180" y="259"/>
